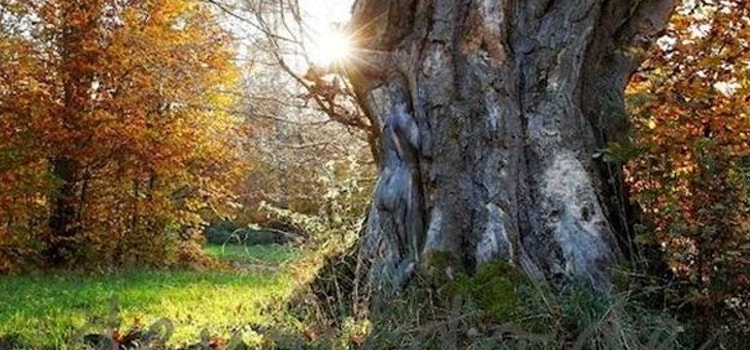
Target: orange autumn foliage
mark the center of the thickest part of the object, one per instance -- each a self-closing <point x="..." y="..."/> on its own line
<point x="115" y="135"/>
<point x="692" y="181"/>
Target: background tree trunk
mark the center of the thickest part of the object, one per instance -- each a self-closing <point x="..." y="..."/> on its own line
<point x="63" y="221"/>
<point x="492" y="116"/>
<point x="77" y="40"/>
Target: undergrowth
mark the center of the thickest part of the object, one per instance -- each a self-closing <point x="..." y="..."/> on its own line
<point x="494" y="308"/>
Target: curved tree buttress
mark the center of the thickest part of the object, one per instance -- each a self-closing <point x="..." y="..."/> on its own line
<point x="491" y="114"/>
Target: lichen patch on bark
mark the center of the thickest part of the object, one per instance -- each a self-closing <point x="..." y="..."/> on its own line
<point x="496" y="241"/>
<point x="576" y="219"/>
<point x="434" y="240"/>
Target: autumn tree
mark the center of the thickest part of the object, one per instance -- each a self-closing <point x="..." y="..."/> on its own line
<point x="692" y="177"/>
<point x="23" y="169"/>
<point x="127" y="105"/>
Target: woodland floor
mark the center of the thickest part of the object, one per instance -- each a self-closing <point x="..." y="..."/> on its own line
<point x="49" y="309"/>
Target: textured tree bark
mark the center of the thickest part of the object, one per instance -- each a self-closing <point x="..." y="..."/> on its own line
<point x="492" y="113"/>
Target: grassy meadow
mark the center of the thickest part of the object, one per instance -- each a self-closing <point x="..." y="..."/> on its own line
<point x="47" y="310"/>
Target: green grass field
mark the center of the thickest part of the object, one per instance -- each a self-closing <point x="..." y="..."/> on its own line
<point x="268" y="255"/>
<point x="49" y="309"/>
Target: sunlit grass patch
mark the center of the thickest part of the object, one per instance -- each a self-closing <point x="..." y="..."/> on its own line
<point x="49" y="309"/>
<point x="254" y="254"/>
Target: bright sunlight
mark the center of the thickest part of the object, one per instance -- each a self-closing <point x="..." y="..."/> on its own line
<point x="330" y="47"/>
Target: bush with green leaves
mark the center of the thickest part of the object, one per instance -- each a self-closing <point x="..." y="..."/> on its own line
<point x="349" y="184"/>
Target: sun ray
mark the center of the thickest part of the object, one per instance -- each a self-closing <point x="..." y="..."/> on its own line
<point x="330" y="47"/>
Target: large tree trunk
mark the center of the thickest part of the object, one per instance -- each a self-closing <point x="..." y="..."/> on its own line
<point x="493" y="113"/>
